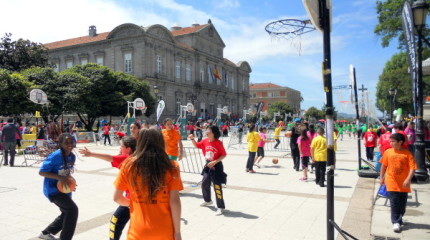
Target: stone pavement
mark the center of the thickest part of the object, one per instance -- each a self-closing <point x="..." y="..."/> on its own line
<point x="271" y="204"/>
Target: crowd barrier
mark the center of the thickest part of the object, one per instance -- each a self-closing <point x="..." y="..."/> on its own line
<point x="192" y="161"/>
<point x="36" y="151"/>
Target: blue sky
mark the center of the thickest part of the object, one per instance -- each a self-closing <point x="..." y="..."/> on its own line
<point x="241" y="25"/>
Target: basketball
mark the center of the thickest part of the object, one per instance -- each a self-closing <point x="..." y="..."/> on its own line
<point x="67" y="189"/>
<point x="288" y="134"/>
<point x="275" y="161"/>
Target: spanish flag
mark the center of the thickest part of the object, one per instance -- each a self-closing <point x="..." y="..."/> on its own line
<point x="216" y="74"/>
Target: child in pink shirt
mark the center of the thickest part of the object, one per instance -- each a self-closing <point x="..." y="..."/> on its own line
<point x="260" y="151"/>
<point x="305" y="152"/>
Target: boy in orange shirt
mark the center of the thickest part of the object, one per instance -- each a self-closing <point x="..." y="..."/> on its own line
<point x="172" y="140"/>
<point x="398" y="166"/>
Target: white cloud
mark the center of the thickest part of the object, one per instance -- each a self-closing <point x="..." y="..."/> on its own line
<point x="227" y="4"/>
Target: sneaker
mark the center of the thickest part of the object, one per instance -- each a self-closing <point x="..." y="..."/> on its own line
<point x="303" y="179"/>
<point x="252" y="171"/>
<point x="205" y="204"/>
<point x="47" y="236"/>
<point x="255" y="164"/>
<point x="219" y="212"/>
<point x="396" y="227"/>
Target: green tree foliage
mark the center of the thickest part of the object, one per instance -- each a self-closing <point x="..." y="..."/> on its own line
<point x="280" y="107"/>
<point x="395" y="75"/>
<point x="389" y="24"/>
<point x="13" y="94"/>
<point x="314" y="112"/>
<point x="21" y="54"/>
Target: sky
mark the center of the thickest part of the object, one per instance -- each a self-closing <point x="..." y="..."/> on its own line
<point x="294" y="63"/>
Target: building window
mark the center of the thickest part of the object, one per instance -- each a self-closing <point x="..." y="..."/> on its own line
<point x="210" y="75"/>
<point x="84" y="61"/>
<point x="269" y="94"/>
<point x="56" y="67"/>
<point x="100" y="60"/>
<point x="128" y="63"/>
<point x="226" y="79"/>
<point x="69" y="63"/>
<point x="254" y="95"/>
<point x="188" y="72"/>
<point x="232" y="83"/>
<point x="178" y="106"/>
<point x="159" y="64"/>
<point x="178" y="69"/>
<point x="202" y="74"/>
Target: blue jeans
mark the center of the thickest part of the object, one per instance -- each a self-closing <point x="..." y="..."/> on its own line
<point x="118" y="221"/>
<point x="398" y="206"/>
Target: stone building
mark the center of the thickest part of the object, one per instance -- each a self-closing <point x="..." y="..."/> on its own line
<point x="269" y="93"/>
<point x="184" y="64"/>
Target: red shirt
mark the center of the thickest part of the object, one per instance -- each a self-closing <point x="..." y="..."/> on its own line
<point x="384" y="141"/>
<point x="212" y="150"/>
<point x="117" y="160"/>
<point x="106" y="130"/>
<point x="370" y="139"/>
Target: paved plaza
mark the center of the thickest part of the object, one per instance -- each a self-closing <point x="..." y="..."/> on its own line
<point x="270" y="204"/>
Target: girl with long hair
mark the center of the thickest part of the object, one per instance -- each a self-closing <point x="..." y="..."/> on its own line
<point x="154" y="182"/>
<point x="58" y="166"/>
<point x="305" y="152"/>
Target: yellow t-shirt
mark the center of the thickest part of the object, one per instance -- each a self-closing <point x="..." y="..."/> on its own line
<point x="277" y="133"/>
<point x="253" y="138"/>
<point x="319" y="147"/>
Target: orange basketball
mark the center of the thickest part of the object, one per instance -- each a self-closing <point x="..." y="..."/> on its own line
<point x="275" y="161"/>
<point x="67" y="189"/>
<point x="288" y="134"/>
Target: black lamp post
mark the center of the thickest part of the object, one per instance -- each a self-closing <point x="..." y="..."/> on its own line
<point x="419" y="9"/>
<point x="392" y="93"/>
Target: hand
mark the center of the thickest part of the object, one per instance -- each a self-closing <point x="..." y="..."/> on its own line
<point x="191" y="137"/>
<point x="406" y="184"/>
<point x="180" y="156"/>
<point x="85" y="152"/>
<point x="178" y="236"/>
<point x="211" y="164"/>
<point x="381" y="180"/>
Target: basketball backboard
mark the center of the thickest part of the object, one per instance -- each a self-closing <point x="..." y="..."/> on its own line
<point x="38" y="96"/>
<point x="139" y="104"/>
<point x="313" y="9"/>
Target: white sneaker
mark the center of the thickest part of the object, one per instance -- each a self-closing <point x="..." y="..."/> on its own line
<point x="47" y="236"/>
<point x="219" y="212"/>
<point x="205" y="204"/>
<point x="396" y="227"/>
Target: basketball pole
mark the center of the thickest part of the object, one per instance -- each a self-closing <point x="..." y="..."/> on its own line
<point x="325" y="23"/>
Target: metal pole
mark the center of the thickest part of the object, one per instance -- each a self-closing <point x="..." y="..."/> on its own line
<point x="357" y="120"/>
<point x="329" y="117"/>
<point x="421" y="172"/>
<point x="391" y="109"/>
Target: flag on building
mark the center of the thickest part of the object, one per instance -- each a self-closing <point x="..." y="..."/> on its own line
<point x="226" y="79"/>
<point x="216" y="74"/>
<point x="211" y="76"/>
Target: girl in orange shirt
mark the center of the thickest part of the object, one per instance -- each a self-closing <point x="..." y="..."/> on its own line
<point x="154" y="183"/>
<point x="398" y="166"/>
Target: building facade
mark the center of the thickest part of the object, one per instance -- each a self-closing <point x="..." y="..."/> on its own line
<point x="183" y="64"/>
<point x="270" y="93"/>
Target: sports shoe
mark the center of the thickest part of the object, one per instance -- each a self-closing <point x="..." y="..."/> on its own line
<point x="255" y="164"/>
<point x="303" y="179"/>
<point x="205" y="204"/>
<point x="396" y="227"/>
<point x="252" y="171"/>
<point x="219" y="212"/>
<point x="47" y="236"/>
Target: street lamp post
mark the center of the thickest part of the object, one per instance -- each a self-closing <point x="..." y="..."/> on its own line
<point x="156" y="90"/>
<point x="419" y="9"/>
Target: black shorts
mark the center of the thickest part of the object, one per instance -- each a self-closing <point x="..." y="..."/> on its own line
<point x="305" y="162"/>
<point x="260" y="152"/>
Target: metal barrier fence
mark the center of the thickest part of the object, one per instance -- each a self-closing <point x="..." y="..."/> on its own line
<point x="192" y="161"/>
<point x="37" y="150"/>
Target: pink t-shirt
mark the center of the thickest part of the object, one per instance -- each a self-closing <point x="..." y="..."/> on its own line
<point x="305" y="147"/>
<point x="261" y="142"/>
<point x="312" y="136"/>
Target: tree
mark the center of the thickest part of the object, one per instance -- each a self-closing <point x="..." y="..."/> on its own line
<point x="21" y="54"/>
<point x="314" y="112"/>
<point x="280" y="107"/>
<point x="14" y="98"/>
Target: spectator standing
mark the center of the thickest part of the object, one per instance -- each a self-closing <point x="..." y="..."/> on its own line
<point x="106" y="130"/>
<point x="9" y="138"/>
<point x="304" y="144"/>
<point x="411" y="134"/>
<point x="253" y="137"/>
<point x="370" y="139"/>
<point x="319" y="156"/>
<point x="295" y="153"/>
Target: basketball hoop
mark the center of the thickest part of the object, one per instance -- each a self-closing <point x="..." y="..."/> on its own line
<point x="289" y="29"/>
<point x="139" y="104"/>
<point x="38" y="96"/>
<point x="190" y="107"/>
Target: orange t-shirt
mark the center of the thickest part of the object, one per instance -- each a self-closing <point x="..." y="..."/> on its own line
<point x="171" y="139"/>
<point x="398" y="163"/>
<point x="150" y="220"/>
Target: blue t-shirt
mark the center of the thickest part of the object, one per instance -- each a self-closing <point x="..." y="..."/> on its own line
<point x="54" y="164"/>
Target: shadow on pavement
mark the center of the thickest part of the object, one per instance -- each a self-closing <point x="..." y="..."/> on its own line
<point x="194" y="195"/>
<point x="410" y="225"/>
<point x="235" y="214"/>
<point x="342" y="186"/>
<point x="263" y="173"/>
<point x="272" y="166"/>
<point x="344" y="169"/>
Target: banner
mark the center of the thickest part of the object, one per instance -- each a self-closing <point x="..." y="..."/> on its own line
<point x="160" y="108"/>
<point x="408" y="28"/>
